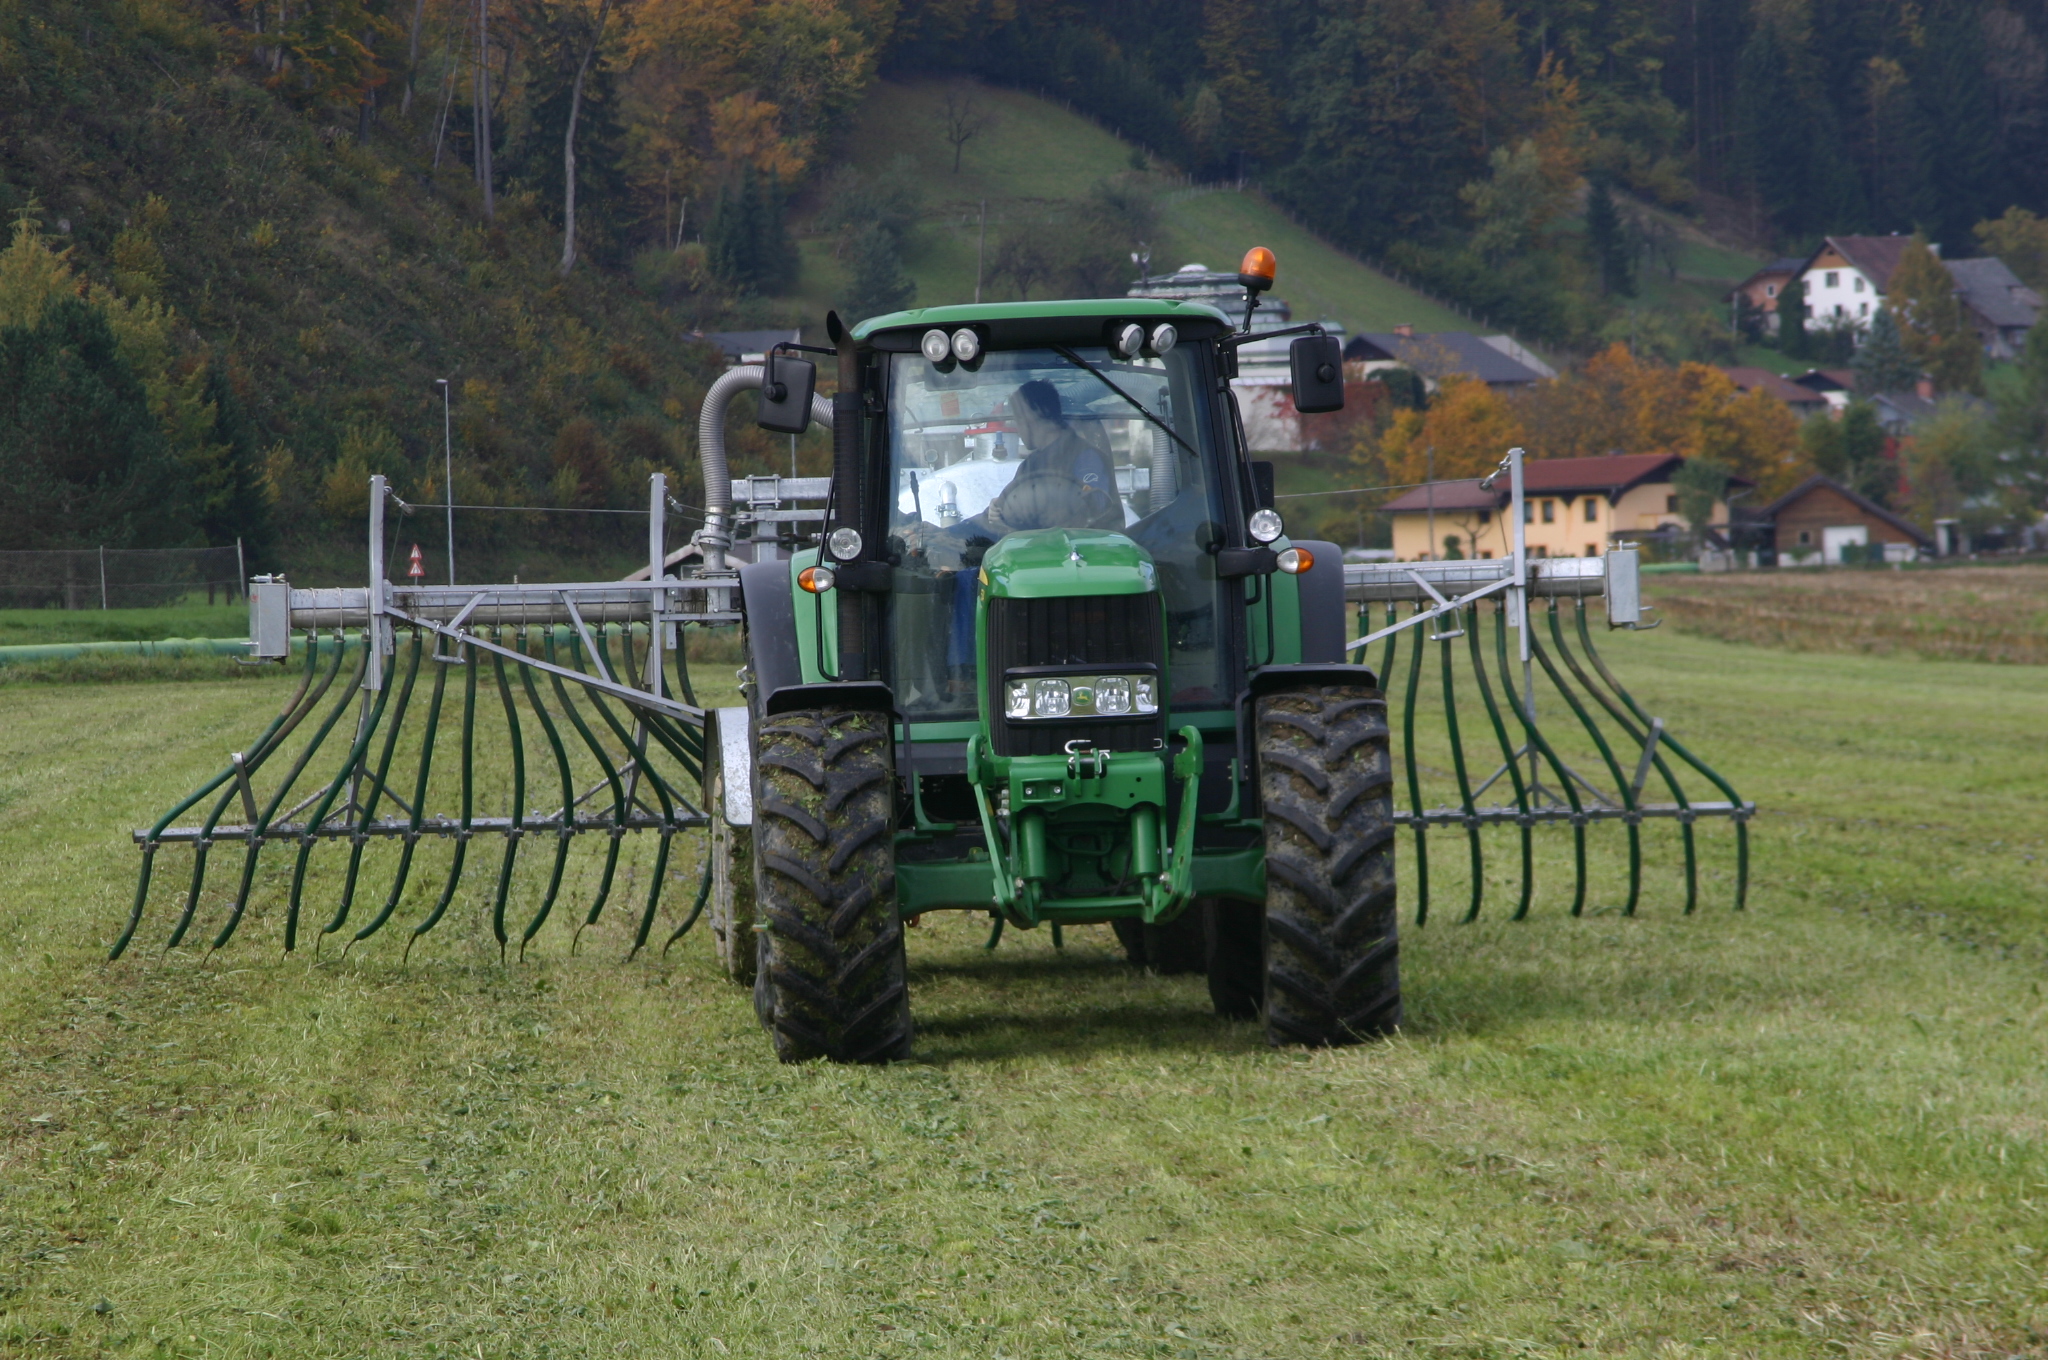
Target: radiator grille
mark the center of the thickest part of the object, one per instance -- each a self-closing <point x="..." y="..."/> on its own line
<point x="1077" y="630"/>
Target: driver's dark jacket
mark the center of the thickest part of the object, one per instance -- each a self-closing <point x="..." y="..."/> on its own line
<point x="1069" y="456"/>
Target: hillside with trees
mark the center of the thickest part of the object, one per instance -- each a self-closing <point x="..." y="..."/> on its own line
<point x="248" y="236"/>
<point x="1480" y="145"/>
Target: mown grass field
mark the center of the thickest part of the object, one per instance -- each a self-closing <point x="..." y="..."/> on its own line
<point x="1816" y="1129"/>
<point x="1977" y="613"/>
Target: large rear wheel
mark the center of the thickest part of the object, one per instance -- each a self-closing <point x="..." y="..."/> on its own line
<point x="1326" y="782"/>
<point x="831" y="970"/>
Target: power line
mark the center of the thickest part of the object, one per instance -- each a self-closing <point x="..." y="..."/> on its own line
<point x="1350" y="491"/>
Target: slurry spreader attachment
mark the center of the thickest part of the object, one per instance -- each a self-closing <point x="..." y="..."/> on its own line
<point x="579" y="677"/>
<point x="1538" y="599"/>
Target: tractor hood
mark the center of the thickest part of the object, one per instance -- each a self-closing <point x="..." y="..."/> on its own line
<point x="1043" y="564"/>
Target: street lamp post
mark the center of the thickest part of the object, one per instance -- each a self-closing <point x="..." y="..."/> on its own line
<point x="448" y="472"/>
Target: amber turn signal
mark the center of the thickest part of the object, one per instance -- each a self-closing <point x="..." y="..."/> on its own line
<point x="1258" y="268"/>
<point x="817" y="580"/>
<point x="1295" y="561"/>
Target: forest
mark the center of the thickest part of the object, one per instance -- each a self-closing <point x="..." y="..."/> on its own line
<point x="248" y="235"/>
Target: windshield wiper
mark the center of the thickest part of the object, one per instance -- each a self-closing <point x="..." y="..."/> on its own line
<point x="1078" y="362"/>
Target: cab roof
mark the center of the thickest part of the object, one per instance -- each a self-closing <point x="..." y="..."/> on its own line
<point x="1054" y="320"/>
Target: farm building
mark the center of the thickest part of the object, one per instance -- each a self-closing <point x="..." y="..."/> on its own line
<point x="1495" y="360"/>
<point x="1847" y="277"/>
<point x="1762" y="288"/>
<point x="1574" y="507"/>
<point x="1820" y="522"/>
<point x="1803" y="400"/>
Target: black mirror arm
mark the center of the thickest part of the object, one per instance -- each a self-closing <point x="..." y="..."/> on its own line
<point x="1247" y="337"/>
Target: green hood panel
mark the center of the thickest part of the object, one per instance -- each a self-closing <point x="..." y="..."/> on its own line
<point x="1040" y="564"/>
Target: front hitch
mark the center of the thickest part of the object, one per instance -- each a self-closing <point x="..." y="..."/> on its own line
<point x="1161" y="874"/>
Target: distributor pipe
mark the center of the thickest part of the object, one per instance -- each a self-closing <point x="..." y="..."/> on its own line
<point x="716" y="535"/>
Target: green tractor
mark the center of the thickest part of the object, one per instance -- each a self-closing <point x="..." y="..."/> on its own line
<point x="1038" y="647"/>
<point x="1053" y="658"/>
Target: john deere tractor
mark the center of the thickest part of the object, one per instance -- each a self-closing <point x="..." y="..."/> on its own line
<point x="1052" y="657"/>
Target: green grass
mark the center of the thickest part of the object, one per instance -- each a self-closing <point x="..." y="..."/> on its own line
<point x="1814" y="1129"/>
<point x="25" y="627"/>
<point x="1036" y="159"/>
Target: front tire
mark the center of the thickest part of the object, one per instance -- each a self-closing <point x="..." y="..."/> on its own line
<point x="1326" y="782"/>
<point x="832" y="977"/>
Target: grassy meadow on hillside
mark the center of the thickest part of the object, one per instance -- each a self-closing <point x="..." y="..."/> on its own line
<point x="1035" y="161"/>
<point x="1811" y="1129"/>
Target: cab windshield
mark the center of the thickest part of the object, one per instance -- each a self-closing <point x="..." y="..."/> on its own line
<point x="1035" y="439"/>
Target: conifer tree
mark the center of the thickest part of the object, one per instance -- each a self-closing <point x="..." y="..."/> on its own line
<point x="879" y="283"/>
<point x="1607" y="241"/>
<point x="1792" y="319"/>
<point x="1883" y="365"/>
<point x="746" y="242"/>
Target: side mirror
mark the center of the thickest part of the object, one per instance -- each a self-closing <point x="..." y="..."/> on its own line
<point x="786" y="389"/>
<point x="1262" y="486"/>
<point x="1318" y="364"/>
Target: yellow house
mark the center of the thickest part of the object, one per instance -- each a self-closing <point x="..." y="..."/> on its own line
<point x="1573" y="507"/>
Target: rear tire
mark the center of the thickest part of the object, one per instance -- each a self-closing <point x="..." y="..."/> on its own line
<point x="832" y="978"/>
<point x="1326" y="782"/>
<point x="1234" y="948"/>
<point x="732" y="886"/>
<point x="1169" y="948"/>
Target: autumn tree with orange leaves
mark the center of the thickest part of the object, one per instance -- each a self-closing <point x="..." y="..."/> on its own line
<point x="1616" y="404"/>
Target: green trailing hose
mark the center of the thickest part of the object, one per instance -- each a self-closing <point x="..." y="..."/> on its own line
<point x="518" y="827"/>
<point x="416" y="813"/>
<point x="1642" y="740"/>
<point x="284" y="790"/>
<point x="1464" y="779"/>
<point x="1414" y="779"/>
<point x="1706" y="771"/>
<point x="1628" y="799"/>
<point x="567" y="829"/>
<point x="611" y="774"/>
<point x="1541" y="744"/>
<point x="368" y="812"/>
<point x="261" y="746"/>
<point x="433" y="919"/>
<point x="348" y="769"/>
<point x="636" y="750"/>
<point x="1510" y="758"/>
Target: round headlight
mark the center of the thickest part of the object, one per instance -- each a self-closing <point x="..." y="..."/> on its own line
<point x="966" y="345"/>
<point x="817" y="580"/>
<point x="1265" y="525"/>
<point x="844" y="543"/>
<point x="935" y="346"/>
<point x="1295" y="561"/>
<point x="1164" y="338"/>
<point x="1130" y="339"/>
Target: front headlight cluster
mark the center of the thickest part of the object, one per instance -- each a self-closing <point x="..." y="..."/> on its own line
<point x="1082" y="696"/>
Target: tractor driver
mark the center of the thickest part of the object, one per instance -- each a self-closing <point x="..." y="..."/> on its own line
<point x="1063" y="482"/>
